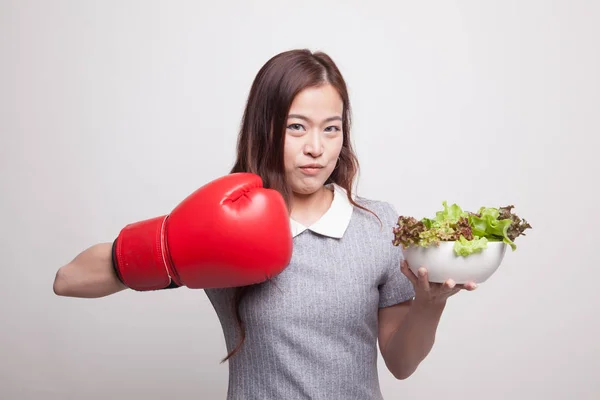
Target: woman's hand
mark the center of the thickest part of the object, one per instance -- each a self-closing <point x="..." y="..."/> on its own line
<point x="430" y="293"/>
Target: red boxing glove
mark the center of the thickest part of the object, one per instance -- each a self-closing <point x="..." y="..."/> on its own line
<point x="230" y="232"/>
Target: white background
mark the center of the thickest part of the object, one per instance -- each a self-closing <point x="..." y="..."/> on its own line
<point x="114" y="111"/>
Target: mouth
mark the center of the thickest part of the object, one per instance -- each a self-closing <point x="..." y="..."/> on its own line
<point x="311" y="169"/>
<point x="312" y="166"/>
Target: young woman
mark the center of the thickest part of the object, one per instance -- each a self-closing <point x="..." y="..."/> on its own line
<point x="311" y="331"/>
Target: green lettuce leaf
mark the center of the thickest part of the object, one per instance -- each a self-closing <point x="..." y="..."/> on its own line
<point x="486" y="224"/>
<point x="450" y="214"/>
<point x="464" y="247"/>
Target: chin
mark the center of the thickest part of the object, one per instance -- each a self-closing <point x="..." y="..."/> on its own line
<point x="306" y="188"/>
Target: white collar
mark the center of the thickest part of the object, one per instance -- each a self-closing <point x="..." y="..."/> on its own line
<point x="335" y="220"/>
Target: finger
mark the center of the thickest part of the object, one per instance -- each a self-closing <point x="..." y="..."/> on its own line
<point x="449" y="286"/>
<point x="408" y="272"/>
<point x="424" y="279"/>
<point x="470" y="286"/>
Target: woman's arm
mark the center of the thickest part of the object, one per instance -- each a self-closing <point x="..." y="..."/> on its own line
<point x="407" y="331"/>
<point x="89" y="275"/>
<point x="407" y="335"/>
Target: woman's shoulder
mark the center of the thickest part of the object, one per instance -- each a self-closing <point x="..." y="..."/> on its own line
<point x="378" y="204"/>
<point x="384" y="209"/>
<point x="367" y="206"/>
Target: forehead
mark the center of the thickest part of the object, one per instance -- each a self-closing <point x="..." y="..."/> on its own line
<point x="318" y="101"/>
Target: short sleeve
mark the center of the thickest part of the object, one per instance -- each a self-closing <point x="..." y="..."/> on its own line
<point x="396" y="287"/>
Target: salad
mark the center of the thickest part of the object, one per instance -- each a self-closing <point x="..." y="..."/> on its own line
<point x="470" y="231"/>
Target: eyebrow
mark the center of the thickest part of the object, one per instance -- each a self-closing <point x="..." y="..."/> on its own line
<point x="336" y="118"/>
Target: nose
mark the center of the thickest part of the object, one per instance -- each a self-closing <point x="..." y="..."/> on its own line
<point x="314" y="144"/>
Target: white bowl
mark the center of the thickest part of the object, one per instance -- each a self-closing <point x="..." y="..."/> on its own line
<point x="442" y="263"/>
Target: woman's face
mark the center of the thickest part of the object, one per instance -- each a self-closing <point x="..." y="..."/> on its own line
<point x="313" y="138"/>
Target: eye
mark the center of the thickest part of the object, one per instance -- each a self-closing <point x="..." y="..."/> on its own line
<point x="332" y="128"/>
<point x="295" y="127"/>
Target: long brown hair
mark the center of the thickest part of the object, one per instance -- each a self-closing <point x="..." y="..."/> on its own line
<point x="261" y="138"/>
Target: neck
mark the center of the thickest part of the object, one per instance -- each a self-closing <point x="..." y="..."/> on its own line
<point x="307" y="209"/>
